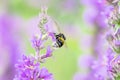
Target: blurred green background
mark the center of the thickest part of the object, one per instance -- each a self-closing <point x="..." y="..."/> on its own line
<point x="69" y="14"/>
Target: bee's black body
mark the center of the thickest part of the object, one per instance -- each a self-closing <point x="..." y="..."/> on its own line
<point x="60" y="39"/>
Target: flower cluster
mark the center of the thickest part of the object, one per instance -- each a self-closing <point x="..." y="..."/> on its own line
<point x="113" y="37"/>
<point x="109" y="63"/>
<point x="28" y="68"/>
<point x="105" y="63"/>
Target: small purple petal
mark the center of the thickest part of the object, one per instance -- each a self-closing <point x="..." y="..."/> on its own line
<point x="49" y="52"/>
<point x="52" y="35"/>
<point x="117" y="43"/>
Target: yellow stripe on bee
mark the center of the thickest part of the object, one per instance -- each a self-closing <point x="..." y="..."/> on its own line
<point x="61" y="39"/>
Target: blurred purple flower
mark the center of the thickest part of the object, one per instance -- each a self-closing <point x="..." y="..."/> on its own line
<point x="114" y="68"/>
<point x="80" y="76"/>
<point x="29" y="69"/>
<point x="110" y="55"/>
<point x="9" y="46"/>
<point x="97" y="12"/>
<point x="117" y="43"/>
<point x="85" y="61"/>
<point x="96" y="68"/>
<point x="104" y="66"/>
<point x="69" y="5"/>
<point x="117" y="34"/>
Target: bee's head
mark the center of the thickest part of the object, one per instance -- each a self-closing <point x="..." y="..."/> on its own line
<point x="62" y="35"/>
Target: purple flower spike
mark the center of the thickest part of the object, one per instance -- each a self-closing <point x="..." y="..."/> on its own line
<point x="108" y="10"/>
<point x="28" y="69"/>
<point x="114" y="68"/>
<point x="116" y="46"/>
<point x="48" y="53"/>
<point x="37" y="42"/>
<point x="117" y="43"/>
<point x="44" y="74"/>
<point x="117" y="35"/>
<point x="109" y="37"/>
<point x="105" y="14"/>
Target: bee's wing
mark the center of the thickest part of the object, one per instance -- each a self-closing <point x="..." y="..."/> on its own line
<point x="56" y="25"/>
<point x="59" y="30"/>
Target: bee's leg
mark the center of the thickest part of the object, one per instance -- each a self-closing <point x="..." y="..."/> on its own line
<point x="55" y="45"/>
<point x="60" y="44"/>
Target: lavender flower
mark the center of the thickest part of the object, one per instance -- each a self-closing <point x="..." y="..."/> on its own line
<point x="113" y="19"/>
<point x="105" y="64"/>
<point x="37" y="42"/>
<point x="117" y="34"/>
<point x="48" y="53"/>
<point x="114" y="68"/>
<point x="28" y="69"/>
<point x="9" y="46"/>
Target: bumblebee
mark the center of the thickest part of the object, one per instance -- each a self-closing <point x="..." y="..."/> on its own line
<point x="60" y="40"/>
<point x="59" y="37"/>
